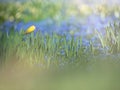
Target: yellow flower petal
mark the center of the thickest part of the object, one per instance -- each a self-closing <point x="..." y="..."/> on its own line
<point x="30" y="29"/>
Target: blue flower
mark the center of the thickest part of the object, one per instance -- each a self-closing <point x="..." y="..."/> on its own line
<point x="18" y="26"/>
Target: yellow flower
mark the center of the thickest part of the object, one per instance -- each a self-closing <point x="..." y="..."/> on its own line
<point x="30" y="29"/>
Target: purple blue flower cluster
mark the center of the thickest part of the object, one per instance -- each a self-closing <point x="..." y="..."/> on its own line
<point x="70" y="26"/>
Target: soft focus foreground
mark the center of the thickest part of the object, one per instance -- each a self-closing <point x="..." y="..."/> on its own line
<point x="59" y="45"/>
<point x="100" y="75"/>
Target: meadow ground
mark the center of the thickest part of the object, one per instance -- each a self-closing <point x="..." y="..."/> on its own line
<point x="70" y="47"/>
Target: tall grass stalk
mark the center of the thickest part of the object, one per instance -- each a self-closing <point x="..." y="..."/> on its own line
<point x="111" y="39"/>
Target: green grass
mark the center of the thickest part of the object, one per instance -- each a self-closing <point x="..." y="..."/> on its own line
<point x="111" y="39"/>
<point x="51" y="61"/>
<point x="49" y="50"/>
<point x="54" y="50"/>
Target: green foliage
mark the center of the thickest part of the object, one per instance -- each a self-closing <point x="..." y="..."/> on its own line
<point x="36" y="10"/>
<point x="28" y="11"/>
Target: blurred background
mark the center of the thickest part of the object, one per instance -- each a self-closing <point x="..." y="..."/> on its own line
<point x="75" y="45"/>
<point x="85" y="14"/>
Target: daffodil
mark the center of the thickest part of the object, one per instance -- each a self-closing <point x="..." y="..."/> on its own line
<point x="30" y="29"/>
